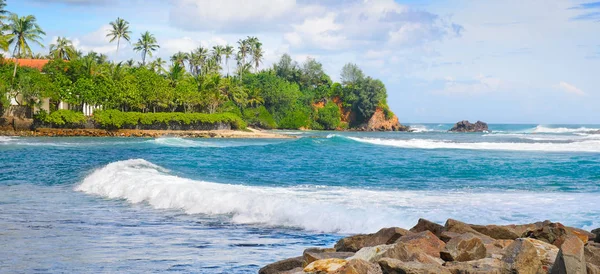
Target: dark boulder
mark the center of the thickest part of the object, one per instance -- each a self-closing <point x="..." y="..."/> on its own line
<point x="466" y="126"/>
<point x="282" y="266"/>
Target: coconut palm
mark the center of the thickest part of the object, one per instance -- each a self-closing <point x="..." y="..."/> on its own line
<point x="228" y="52"/>
<point x="158" y="65"/>
<point x="180" y="58"/>
<point x="3" y="12"/>
<point x="257" y="54"/>
<point x="198" y="60"/>
<point x="217" y="53"/>
<point x="63" y="49"/>
<point x="120" y="29"/>
<point x="147" y="45"/>
<point x="22" y="31"/>
<point x="243" y="49"/>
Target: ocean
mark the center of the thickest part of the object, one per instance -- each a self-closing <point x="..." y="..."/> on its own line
<point x="136" y="205"/>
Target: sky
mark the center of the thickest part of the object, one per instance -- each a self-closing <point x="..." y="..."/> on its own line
<point x="508" y="61"/>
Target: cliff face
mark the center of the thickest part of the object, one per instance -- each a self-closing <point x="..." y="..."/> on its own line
<point x="379" y="122"/>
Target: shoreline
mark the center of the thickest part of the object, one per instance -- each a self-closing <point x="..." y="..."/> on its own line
<point x="232" y="134"/>
<point x="454" y="248"/>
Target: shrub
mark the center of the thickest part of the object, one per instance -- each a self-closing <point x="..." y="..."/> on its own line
<point x="329" y="116"/>
<point x="115" y="119"/>
<point x="260" y="117"/>
<point x="61" y="118"/>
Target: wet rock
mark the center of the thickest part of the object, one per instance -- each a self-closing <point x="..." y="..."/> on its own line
<point x="357" y="266"/>
<point x="466" y="126"/>
<point x="314" y="254"/>
<point x="426" y="225"/>
<point x="395" y="266"/>
<point x="592" y="253"/>
<point x="281" y="266"/>
<point x="571" y="257"/>
<point x="522" y="257"/>
<point x="466" y="247"/>
<point x="482" y="266"/>
<point x="426" y="241"/>
<point x="325" y="266"/>
<point x="381" y="237"/>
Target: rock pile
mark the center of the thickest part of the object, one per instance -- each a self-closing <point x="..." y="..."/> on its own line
<point x="466" y="126"/>
<point x="454" y="248"/>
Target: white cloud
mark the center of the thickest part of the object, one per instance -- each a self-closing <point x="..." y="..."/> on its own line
<point x="569" y="88"/>
<point x="320" y="32"/>
<point x="477" y="85"/>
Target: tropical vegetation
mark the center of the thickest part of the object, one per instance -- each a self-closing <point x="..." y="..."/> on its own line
<point x="222" y="79"/>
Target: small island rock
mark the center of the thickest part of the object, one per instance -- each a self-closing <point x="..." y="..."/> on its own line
<point x="466" y="126"/>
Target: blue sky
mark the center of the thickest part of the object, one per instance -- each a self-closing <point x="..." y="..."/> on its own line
<point x="510" y="61"/>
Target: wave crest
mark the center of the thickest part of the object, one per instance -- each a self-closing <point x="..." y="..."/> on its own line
<point x="329" y="209"/>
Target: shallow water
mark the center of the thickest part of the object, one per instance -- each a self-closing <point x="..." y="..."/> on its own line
<point x="230" y="206"/>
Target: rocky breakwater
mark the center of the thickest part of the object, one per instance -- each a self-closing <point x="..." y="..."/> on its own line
<point x="466" y="126"/>
<point x="454" y="248"/>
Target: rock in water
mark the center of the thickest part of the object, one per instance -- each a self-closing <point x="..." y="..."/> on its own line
<point x="383" y="236"/>
<point x="466" y="126"/>
<point x="282" y="266"/>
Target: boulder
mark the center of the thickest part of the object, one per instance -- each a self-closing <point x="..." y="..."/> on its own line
<point x="553" y="233"/>
<point x="395" y="266"/>
<point x="546" y="253"/>
<point x="592" y="253"/>
<point x="497" y="232"/>
<point x="426" y="241"/>
<point x="571" y="257"/>
<point x="314" y="254"/>
<point x="282" y="266"/>
<point x="462" y="228"/>
<point x="583" y="235"/>
<point x="522" y="257"/>
<point x="496" y="248"/>
<point x="425" y="225"/>
<point x="400" y="251"/>
<point x="446" y="236"/>
<point x="325" y="266"/>
<point x="466" y="247"/>
<point x="383" y="236"/>
<point x="592" y="269"/>
<point x="466" y="126"/>
<point x="482" y="266"/>
<point x="357" y="266"/>
<point x="596" y="233"/>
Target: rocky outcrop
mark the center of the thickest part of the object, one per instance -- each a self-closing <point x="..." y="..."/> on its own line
<point x="457" y="248"/>
<point x="379" y="122"/>
<point x="466" y="126"/>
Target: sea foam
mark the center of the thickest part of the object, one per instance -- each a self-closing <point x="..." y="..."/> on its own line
<point x="582" y="146"/>
<point x="331" y="209"/>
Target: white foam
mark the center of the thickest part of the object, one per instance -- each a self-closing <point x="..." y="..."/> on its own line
<point x="547" y="137"/>
<point x="6" y="139"/>
<point x="331" y="209"/>
<point x="583" y="146"/>
<point x="543" y="129"/>
<point x="419" y="128"/>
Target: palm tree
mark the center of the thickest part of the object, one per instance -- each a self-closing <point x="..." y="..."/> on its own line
<point x="198" y="60"/>
<point x="3" y="12"/>
<point x="63" y="49"/>
<point x="22" y="31"/>
<point x="228" y="52"/>
<point x="217" y="52"/>
<point x="257" y="54"/>
<point x="180" y="58"/>
<point x="146" y="44"/>
<point x="120" y="29"/>
<point x="243" y="49"/>
<point x="158" y="65"/>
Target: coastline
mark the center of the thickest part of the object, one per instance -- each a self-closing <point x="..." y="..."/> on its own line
<point x="56" y="132"/>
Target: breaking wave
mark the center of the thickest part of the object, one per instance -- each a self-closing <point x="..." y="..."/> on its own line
<point x="330" y="209"/>
<point x="543" y="129"/>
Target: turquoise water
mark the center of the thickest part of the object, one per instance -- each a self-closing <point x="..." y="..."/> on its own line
<point x="140" y="205"/>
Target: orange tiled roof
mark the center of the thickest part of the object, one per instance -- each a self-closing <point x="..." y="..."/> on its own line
<point x="32" y="63"/>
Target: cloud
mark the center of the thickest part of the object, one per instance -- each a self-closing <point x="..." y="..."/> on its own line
<point x="592" y="11"/>
<point x="569" y="88"/>
<point x="77" y="2"/>
<point x="230" y="15"/>
<point x="479" y="84"/>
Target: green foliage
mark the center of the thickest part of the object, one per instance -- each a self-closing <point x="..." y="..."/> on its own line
<point x="259" y="117"/>
<point x="329" y="116"/>
<point x="114" y="119"/>
<point x="296" y="118"/>
<point x="61" y="117"/>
